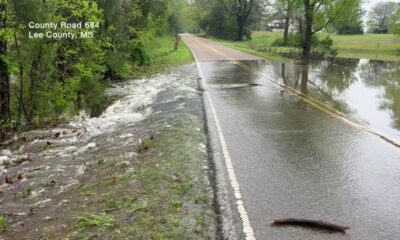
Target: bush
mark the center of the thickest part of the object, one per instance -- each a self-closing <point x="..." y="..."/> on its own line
<point x="294" y="40"/>
<point x="325" y="47"/>
<point x="3" y="223"/>
<point x="278" y="42"/>
<point x="138" y="54"/>
<point x="247" y="33"/>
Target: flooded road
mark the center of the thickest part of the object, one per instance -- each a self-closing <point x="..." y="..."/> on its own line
<point x="293" y="160"/>
<point x="366" y="90"/>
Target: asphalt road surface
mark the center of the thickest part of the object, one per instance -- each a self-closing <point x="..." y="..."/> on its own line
<point x="292" y="158"/>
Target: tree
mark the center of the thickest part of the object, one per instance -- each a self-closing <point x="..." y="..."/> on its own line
<point x="319" y="14"/>
<point x="353" y="24"/>
<point x="350" y="28"/>
<point x="241" y="10"/>
<point x="394" y="26"/>
<point x="217" y="22"/>
<point x="4" y="69"/>
<point x="123" y="21"/>
<point x="380" y="15"/>
<point x="258" y="15"/>
<point x="286" y="9"/>
<point x="56" y="77"/>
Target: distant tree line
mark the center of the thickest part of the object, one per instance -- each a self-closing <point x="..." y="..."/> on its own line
<point x="234" y="19"/>
<point x="45" y="78"/>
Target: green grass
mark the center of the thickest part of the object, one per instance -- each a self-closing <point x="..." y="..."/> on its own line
<point x="163" y="57"/>
<point x="3" y="223"/>
<point x="167" y="57"/>
<point x="370" y="46"/>
<point x="87" y="220"/>
<point x="252" y="46"/>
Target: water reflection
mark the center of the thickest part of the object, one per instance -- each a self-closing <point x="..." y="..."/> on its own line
<point x="368" y="90"/>
<point x="304" y="78"/>
<point x="303" y="162"/>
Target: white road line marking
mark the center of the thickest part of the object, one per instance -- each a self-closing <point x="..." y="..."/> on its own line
<point x="247" y="229"/>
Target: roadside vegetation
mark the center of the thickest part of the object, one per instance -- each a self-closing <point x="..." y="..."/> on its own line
<point x="48" y="80"/>
<point x="164" y="57"/>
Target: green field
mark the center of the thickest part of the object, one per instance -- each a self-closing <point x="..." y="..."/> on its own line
<point x="370" y="46"/>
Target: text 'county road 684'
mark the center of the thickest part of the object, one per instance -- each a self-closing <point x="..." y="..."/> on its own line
<point x="65" y="30"/>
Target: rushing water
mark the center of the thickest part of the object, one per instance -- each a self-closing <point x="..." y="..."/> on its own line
<point x="46" y="164"/>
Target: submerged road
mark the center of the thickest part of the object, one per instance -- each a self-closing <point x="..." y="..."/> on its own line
<point x="289" y="156"/>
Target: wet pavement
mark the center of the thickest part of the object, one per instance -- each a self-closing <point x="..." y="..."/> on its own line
<point x="366" y="90"/>
<point x="294" y="160"/>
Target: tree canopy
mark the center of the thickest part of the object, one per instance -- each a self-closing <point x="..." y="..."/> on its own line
<point x="316" y="15"/>
<point x="380" y="16"/>
<point x="227" y="19"/>
<point x="50" y="72"/>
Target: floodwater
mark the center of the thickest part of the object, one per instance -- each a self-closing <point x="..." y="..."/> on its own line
<point x="47" y="168"/>
<point x="293" y="160"/>
<point x="366" y="90"/>
<point x="63" y="154"/>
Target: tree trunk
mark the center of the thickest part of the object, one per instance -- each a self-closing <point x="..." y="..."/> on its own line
<point x="4" y="78"/>
<point x="301" y="30"/>
<point x="286" y="29"/>
<point x="21" y="106"/>
<point x="240" y="29"/>
<point x="287" y="23"/>
<point x="33" y="75"/>
<point x="307" y="41"/>
<point x="176" y="44"/>
<point x="4" y="89"/>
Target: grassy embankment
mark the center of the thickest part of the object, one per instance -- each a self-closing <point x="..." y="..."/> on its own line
<point x="163" y="57"/>
<point x="370" y="46"/>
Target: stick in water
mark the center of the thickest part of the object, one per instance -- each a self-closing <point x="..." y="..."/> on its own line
<point x="311" y="223"/>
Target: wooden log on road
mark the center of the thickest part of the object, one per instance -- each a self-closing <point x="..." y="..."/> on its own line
<point x="310" y="223"/>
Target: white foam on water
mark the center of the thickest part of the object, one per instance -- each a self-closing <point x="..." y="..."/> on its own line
<point x="134" y="106"/>
<point x="5" y="152"/>
<point x="83" y="149"/>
